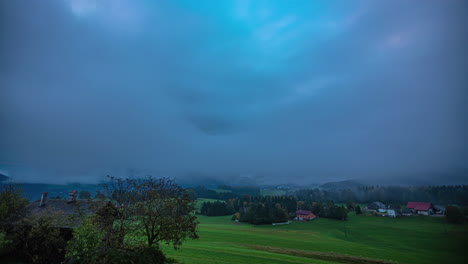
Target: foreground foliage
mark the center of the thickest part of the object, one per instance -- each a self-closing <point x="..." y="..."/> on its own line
<point x="37" y="239"/>
<point x="454" y="215"/>
<point x="12" y="203"/>
<point x="87" y="239"/>
<point x="139" y="215"/>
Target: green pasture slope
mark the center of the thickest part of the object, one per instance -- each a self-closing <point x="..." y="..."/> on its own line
<point x="369" y="239"/>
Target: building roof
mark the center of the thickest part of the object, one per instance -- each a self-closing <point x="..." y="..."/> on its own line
<point x="64" y="210"/>
<point x="303" y="212"/>
<point x="406" y="211"/>
<point x="376" y="205"/>
<point x="419" y="206"/>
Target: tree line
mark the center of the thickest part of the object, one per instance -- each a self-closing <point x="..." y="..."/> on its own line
<point x="271" y="209"/>
<point x="444" y="195"/>
<point x="218" y="208"/>
<point x="456" y="194"/>
<point x="228" y="193"/>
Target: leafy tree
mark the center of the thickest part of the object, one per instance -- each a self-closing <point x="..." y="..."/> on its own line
<point x="351" y="206"/>
<point x="192" y="194"/>
<point x="317" y="208"/>
<point x="99" y="195"/>
<point x="304" y="205"/>
<point x="38" y="238"/>
<point x="330" y="210"/>
<point x="85" y="195"/>
<point x="278" y="214"/>
<point x="4" y="242"/>
<point x="217" y="208"/>
<point x="464" y="210"/>
<point x="117" y="217"/>
<point x="154" y="208"/>
<point x="12" y="203"/>
<point x="265" y="209"/>
<point x="104" y="219"/>
<point x="358" y="210"/>
<point x="163" y="211"/>
<point x="12" y="208"/>
<point x="454" y="215"/>
<point x="87" y="240"/>
<point x="235" y="216"/>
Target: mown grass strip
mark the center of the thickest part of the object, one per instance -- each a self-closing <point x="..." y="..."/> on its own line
<point x="328" y="256"/>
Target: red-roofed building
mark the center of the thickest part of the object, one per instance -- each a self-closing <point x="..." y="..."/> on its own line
<point x="421" y="208"/>
<point x="302" y="215"/>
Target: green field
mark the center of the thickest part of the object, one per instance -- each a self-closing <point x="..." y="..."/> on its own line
<point x="369" y="239"/>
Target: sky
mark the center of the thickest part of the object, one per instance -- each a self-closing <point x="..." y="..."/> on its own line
<point x="264" y="91"/>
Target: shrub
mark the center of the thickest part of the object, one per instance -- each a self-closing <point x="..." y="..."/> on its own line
<point x="85" y="195"/>
<point x="12" y="203"/>
<point x="135" y="256"/>
<point x="38" y="240"/>
<point x="454" y="215"/>
<point x="358" y="210"/>
<point x="87" y="239"/>
<point x="4" y="243"/>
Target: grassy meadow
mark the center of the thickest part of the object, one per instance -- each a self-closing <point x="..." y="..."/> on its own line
<point x="367" y="239"/>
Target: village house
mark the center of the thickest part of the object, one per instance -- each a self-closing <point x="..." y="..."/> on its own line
<point x="392" y="213"/>
<point x="407" y="212"/>
<point x="302" y="215"/>
<point x="439" y="209"/>
<point x="376" y="207"/>
<point x="420" y="208"/>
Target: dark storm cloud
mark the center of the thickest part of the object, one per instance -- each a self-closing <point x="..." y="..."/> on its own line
<point x="299" y="92"/>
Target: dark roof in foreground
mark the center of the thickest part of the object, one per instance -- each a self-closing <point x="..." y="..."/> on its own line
<point x="63" y="210"/>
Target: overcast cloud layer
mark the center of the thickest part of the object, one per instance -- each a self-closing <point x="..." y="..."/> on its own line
<point x="282" y="91"/>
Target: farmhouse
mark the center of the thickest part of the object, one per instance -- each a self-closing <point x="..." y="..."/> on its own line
<point x="302" y="215"/>
<point x="421" y="208"/>
<point x="392" y="213"/>
<point x="64" y="211"/>
<point x="376" y="207"/>
<point x="439" y="209"/>
<point x="407" y="212"/>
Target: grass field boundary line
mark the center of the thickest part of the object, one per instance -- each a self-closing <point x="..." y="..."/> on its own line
<point x="328" y="256"/>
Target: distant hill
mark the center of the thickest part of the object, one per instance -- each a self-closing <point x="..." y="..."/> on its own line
<point x="4" y="177"/>
<point x="32" y="191"/>
<point x="341" y="184"/>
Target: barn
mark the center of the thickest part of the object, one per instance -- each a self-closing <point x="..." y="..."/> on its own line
<point x="421" y="208"/>
<point x="376" y="207"/>
<point x="302" y="215"/>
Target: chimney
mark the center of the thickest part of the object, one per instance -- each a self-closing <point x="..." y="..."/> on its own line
<point x="43" y="199"/>
<point x="72" y="196"/>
